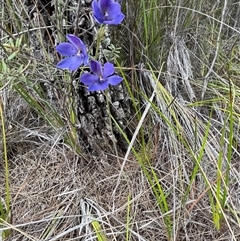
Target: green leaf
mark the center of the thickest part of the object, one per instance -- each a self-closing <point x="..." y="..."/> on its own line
<point x="12" y="55"/>
<point x="4" y="67"/>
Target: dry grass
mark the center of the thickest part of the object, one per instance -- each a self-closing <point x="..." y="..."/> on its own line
<point x="52" y="187"/>
<point x="56" y="194"/>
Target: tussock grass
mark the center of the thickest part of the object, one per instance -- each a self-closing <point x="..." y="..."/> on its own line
<point x="179" y="178"/>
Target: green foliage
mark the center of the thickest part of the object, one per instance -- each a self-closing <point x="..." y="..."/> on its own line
<point x="154" y="30"/>
<point x="5" y="203"/>
<point x="19" y="73"/>
<point x="97" y="228"/>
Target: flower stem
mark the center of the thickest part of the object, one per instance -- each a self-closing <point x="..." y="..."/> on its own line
<point x="110" y="121"/>
<point x="100" y="35"/>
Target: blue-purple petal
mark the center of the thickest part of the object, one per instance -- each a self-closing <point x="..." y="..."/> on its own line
<point x="98" y="19"/>
<point x="96" y="68"/>
<point x="64" y="64"/>
<point x="116" y="20"/>
<point x="76" y="62"/>
<point x="77" y="42"/>
<point x="104" y="5"/>
<point x="97" y="13"/>
<point x="114" y="80"/>
<point x="71" y="63"/>
<point x="98" y="86"/>
<point x="66" y="49"/>
<point x="88" y="79"/>
<point x="108" y="70"/>
<point x="114" y="10"/>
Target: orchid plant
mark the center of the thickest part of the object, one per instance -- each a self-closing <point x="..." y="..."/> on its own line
<point x="104" y="12"/>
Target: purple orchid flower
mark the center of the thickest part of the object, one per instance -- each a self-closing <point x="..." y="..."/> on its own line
<point x="107" y="11"/>
<point x="101" y="77"/>
<point x="75" y="51"/>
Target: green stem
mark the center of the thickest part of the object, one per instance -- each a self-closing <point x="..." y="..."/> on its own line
<point x="110" y="121"/>
<point x="5" y="216"/>
<point x="99" y="38"/>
